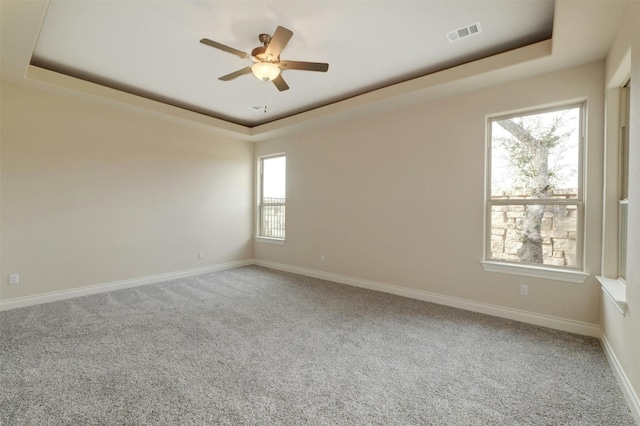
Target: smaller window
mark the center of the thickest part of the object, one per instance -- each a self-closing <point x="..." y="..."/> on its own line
<point x="623" y="179"/>
<point x="273" y="178"/>
<point x="617" y="169"/>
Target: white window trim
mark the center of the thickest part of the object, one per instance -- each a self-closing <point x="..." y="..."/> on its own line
<point x="269" y="240"/>
<point x="568" y="274"/>
<point x="613" y="286"/>
<point x="623" y="179"/>
<point x="258" y="217"/>
<point x="616" y="291"/>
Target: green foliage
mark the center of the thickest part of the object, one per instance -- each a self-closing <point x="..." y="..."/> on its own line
<point x="542" y="137"/>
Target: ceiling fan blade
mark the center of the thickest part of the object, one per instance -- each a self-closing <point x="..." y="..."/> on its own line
<point x="280" y="83"/>
<point x="233" y="75"/>
<point x="223" y="47"/>
<point x="279" y="40"/>
<point x="305" y="66"/>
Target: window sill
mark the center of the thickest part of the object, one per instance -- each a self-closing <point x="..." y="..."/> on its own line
<point x="279" y="241"/>
<point x="536" y="272"/>
<point x="616" y="291"/>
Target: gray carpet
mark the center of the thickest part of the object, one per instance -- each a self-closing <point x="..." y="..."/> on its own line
<point x="253" y="346"/>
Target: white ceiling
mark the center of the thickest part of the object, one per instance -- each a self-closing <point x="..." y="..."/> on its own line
<point x="151" y="48"/>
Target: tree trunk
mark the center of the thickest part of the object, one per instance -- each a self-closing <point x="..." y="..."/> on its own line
<point x="531" y="249"/>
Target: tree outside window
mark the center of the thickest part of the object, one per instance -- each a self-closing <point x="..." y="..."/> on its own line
<point x="535" y="196"/>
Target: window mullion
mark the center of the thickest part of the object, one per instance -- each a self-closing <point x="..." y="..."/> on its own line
<point x="538" y="201"/>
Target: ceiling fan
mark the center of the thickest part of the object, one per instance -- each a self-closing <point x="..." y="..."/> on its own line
<point x="267" y="65"/>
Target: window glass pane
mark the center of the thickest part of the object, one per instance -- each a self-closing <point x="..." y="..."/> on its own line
<point x="622" y="253"/>
<point x="272" y="221"/>
<point x="274" y="176"/>
<point x="625" y="117"/>
<point x="536" y="156"/>
<point x="273" y="193"/>
<point x="534" y="233"/>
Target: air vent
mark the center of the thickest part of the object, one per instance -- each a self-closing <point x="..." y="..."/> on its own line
<point x="464" y="32"/>
<point x="256" y="108"/>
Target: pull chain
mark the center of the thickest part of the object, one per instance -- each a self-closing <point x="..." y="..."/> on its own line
<point x="265" y="96"/>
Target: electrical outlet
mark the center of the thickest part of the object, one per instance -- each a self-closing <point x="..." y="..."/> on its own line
<point x="524" y="289"/>
<point x="322" y="259"/>
<point x="200" y="255"/>
<point x="14" y="279"/>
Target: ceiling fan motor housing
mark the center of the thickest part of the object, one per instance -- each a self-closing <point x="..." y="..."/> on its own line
<point x="258" y="52"/>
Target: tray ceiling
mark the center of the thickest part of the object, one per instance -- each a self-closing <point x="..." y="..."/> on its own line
<point x="152" y="48"/>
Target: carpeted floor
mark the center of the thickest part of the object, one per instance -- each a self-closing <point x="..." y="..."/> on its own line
<point x="253" y="346"/>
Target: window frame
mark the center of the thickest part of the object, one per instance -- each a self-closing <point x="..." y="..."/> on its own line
<point x="623" y="180"/>
<point x="260" y="234"/>
<point x="614" y="287"/>
<point x="575" y="273"/>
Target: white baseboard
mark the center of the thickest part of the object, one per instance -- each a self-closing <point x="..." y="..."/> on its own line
<point x="625" y="385"/>
<point x="557" y="323"/>
<point x="21" y="302"/>
<point x="469" y="305"/>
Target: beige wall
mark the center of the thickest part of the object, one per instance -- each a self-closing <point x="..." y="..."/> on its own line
<point x="93" y="193"/>
<point x="378" y="196"/>
<point x="623" y="332"/>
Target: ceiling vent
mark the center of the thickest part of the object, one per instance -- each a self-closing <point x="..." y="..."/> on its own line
<point x="464" y="32"/>
<point x="256" y="108"/>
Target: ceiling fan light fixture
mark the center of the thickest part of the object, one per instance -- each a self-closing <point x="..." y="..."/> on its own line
<point x="265" y="71"/>
<point x="267" y="65"/>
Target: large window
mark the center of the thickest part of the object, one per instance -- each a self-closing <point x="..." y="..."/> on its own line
<point x="273" y="177"/>
<point x="534" y="184"/>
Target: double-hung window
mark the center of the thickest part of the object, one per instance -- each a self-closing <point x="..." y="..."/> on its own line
<point x="614" y="252"/>
<point x="534" y="189"/>
<point x="272" y="202"/>
<point x="623" y="179"/>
